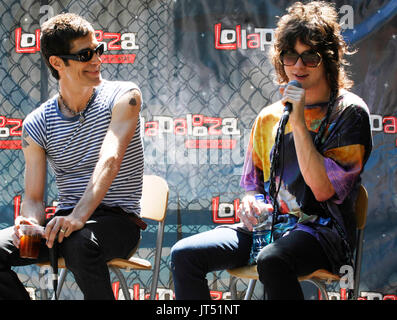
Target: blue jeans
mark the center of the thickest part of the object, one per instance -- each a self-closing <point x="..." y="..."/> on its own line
<point x="279" y="263"/>
<point x="193" y="257"/>
<point x="106" y="235"/>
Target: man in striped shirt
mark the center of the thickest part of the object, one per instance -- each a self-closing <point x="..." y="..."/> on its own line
<point x="90" y="134"/>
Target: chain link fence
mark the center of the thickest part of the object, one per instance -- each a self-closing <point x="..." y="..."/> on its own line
<point x="185" y="81"/>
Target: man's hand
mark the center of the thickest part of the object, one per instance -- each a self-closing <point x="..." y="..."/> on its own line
<point x="250" y="209"/>
<point x="16" y="237"/>
<point x="295" y="96"/>
<point x="62" y="226"/>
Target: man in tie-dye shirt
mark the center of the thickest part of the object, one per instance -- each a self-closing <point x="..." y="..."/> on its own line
<point x="323" y="150"/>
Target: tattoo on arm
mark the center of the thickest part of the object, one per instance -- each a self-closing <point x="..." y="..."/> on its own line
<point x="133" y="101"/>
<point x="25" y="135"/>
<point x="134" y="94"/>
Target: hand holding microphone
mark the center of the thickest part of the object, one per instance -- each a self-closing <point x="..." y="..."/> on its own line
<point x="293" y="94"/>
<point x="287" y="94"/>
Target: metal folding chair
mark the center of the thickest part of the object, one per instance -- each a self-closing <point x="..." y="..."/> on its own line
<point x="320" y="277"/>
<point x="153" y="207"/>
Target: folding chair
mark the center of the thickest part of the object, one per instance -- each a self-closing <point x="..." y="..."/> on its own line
<point x="153" y="207"/>
<point x="319" y="277"/>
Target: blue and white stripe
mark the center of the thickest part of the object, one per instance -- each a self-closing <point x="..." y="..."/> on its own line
<point x="72" y="148"/>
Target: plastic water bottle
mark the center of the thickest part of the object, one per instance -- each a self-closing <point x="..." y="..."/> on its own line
<point x="261" y="232"/>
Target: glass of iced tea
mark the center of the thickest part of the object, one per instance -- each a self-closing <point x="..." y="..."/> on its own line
<point x="29" y="245"/>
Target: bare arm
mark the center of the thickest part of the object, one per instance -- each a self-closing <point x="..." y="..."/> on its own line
<point x="121" y="131"/>
<point x="311" y="162"/>
<point x="32" y="208"/>
<point x="35" y="179"/>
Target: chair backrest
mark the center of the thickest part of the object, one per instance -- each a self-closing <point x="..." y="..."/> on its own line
<point x="154" y="198"/>
<point x="361" y="207"/>
<point x="361" y="219"/>
<point x="154" y="204"/>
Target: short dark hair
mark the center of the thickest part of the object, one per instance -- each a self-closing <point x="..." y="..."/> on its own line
<point x="57" y="34"/>
<point x="316" y="25"/>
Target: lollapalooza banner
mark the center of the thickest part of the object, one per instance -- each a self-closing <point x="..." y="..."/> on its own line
<point x="204" y="72"/>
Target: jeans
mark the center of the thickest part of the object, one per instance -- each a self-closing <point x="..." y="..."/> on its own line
<point x="106" y="235"/>
<point x="279" y="263"/>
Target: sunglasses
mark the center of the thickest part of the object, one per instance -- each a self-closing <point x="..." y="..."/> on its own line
<point x="84" y="55"/>
<point x="310" y="58"/>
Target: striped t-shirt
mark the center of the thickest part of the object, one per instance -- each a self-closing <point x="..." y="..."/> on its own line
<point x="72" y="148"/>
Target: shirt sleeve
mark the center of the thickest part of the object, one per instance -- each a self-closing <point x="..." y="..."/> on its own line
<point x="252" y="177"/>
<point x="346" y="150"/>
<point x="35" y="126"/>
<point x="342" y="179"/>
<point x="122" y="88"/>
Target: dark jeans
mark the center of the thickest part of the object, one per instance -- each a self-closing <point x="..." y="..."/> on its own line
<point x="106" y="235"/>
<point x="279" y="264"/>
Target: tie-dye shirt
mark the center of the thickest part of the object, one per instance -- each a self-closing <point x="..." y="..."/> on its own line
<point x="346" y="146"/>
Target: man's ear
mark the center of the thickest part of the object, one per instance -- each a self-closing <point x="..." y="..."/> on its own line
<point x="57" y="63"/>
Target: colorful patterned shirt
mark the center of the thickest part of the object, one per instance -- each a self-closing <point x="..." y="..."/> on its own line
<point x="346" y="146"/>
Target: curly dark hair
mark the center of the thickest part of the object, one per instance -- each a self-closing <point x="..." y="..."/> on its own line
<point x="316" y="25"/>
<point x="57" y="34"/>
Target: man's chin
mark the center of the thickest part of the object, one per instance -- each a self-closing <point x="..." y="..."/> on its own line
<point x="97" y="81"/>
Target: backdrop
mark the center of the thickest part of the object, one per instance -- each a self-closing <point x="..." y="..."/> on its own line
<point x="204" y="71"/>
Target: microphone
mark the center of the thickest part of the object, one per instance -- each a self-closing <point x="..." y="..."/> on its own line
<point x="53" y="257"/>
<point x="288" y="105"/>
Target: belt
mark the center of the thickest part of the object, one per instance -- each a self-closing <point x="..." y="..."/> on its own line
<point x="134" y="218"/>
<point x="138" y="221"/>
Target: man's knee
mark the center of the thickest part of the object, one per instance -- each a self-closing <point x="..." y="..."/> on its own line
<point x="271" y="261"/>
<point x="180" y="252"/>
<point x="80" y="248"/>
<point x="185" y="255"/>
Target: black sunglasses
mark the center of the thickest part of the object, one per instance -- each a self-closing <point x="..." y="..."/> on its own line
<point x="310" y="58"/>
<point x="84" y="55"/>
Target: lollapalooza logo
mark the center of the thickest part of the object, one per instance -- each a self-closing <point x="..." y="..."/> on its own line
<point x="387" y="124"/>
<point x="113" y="41"/>
<point x="30" y="43"/>
<point x="258" y="38"/>
<point x="10" y="128"/>
<point x="195" y="139"/>
<point x="196" y="126"/>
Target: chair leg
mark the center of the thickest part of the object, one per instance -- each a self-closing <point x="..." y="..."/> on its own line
<point x="233" y="287"/>
<point x="250" y="289"/>
<point x="357" y="267"/>
<point x="43" y="290"/>
<point x="123" y="282"/>
<point x="320" y="285"/>
<point x="157" y="260"/>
